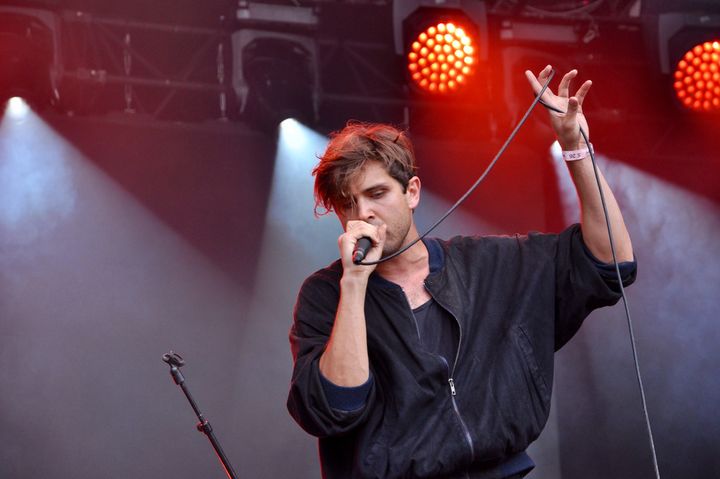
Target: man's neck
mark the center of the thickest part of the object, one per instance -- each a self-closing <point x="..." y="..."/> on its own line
<point x="408" y="264"/>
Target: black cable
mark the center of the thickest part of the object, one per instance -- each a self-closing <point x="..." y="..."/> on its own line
<point x="477" y="182"/>
<point x="625" y="303"/>
<point x="633" y="346"/>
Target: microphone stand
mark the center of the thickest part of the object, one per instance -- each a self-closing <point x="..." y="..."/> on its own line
<point x="176" y="362"/>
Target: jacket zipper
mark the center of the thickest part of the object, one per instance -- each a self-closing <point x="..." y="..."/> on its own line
<point x="451" y="381"/>
<point x="466" y="431"/>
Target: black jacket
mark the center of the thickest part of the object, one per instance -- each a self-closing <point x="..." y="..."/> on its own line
<point x="516" y="300"/>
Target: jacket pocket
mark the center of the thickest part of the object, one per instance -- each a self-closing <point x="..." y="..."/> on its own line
<point x="509" y="399"/>
<point x="523" y="342"/>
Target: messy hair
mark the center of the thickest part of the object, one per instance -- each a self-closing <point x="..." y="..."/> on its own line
<point x="349" y="151"/>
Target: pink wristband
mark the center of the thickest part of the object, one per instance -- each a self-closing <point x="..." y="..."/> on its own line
<point x="576" y="155"/>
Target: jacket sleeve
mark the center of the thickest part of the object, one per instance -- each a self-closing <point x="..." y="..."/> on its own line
<point x="580" y="286"/>
<point x="307" y="403"/>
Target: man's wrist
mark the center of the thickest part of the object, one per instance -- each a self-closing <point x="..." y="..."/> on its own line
<point x="574" y="144"/>
<point x="580" y="153"/>
<point x="354" y="281"/>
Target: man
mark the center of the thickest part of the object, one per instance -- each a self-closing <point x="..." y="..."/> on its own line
<point x="439" y="362"/>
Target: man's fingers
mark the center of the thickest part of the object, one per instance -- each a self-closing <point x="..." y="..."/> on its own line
<point x="564" y="88"/>
<point x="534" y="83"/>
<point x="537" y="82"/>
<point x="582" y="91"/>
<point x="572" y="108"/>
<point x="358" y="229"/>
<point x="545" y="73"/>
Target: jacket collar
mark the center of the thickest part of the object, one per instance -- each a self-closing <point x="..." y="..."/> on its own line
<point x="436" y="260"/>
<point x="435" y="253"/>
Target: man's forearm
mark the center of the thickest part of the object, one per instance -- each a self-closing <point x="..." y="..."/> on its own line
<point x="593" y="222"/>
<point x="345" y="360"/>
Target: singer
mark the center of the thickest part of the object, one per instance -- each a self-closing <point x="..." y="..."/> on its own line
<point x="439" y="362"/>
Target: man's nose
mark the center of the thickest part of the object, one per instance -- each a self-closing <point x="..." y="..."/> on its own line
<point x="364" y="210"/>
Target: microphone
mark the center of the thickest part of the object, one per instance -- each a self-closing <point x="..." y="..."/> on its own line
<point x="361" y="248"/>
<point x="173" y="359"/>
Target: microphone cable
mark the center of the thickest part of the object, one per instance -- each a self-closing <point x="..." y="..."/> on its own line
<point x="474" y="185"/>
<point x="633" y="345"/>
<point x="482" y="177"/>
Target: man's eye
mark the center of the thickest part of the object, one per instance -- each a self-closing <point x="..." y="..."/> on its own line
<point x="378" y="194"/>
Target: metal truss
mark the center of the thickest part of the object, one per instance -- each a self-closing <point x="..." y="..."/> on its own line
<point x="175" y="72"/>
<point x="361" y="72"/>
<point x="183" y="72"/>
<point x="154" y="69"/>
<point x="110" y="64"/>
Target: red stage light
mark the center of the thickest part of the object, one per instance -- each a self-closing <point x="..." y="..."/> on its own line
<point x="442" y="58"/>
<point x="697" y="78"/>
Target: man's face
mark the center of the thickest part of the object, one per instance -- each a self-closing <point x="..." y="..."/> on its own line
<point x="379" y="198"/>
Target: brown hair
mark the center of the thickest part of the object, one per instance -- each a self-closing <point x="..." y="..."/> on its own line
<point x="349" y="150"/>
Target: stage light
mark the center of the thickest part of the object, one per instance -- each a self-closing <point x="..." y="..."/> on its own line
<point x="17" y="108"/>
<point x="442" y="58"/>
<point x="443" y="46"/>
<point x="280" y="81"/>
<point x="697" y="78"/>
<point x="29" y="55"/>
<point x="276" y="71"/>
<point x="294" y="134"/>
<point x="689" y="46"/>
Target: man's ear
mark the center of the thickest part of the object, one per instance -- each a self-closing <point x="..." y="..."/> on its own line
<point x="412" y="192"/>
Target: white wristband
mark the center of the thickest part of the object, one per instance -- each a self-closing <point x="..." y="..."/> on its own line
<point x="576" y="155"/>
